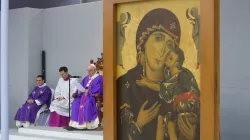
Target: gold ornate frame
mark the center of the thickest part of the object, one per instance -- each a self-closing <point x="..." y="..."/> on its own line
<point x="210" y="68"/>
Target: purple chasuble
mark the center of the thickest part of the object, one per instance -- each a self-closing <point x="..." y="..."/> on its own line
<point x="84" y="107"/>
<point x="27" y="113"/>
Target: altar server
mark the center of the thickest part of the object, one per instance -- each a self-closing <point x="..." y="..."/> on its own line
<point x="59" y="109"/>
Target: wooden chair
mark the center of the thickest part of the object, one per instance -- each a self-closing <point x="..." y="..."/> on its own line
<point x="99" y="98"/>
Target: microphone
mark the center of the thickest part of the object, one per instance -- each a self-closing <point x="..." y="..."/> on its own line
<point x="75" y="76"/>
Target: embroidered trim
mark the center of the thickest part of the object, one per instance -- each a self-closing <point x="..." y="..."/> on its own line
<point x="155" y="28"/>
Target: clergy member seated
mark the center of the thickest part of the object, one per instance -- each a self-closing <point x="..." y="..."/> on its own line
<point x="84" y="113"/>
<point x="59" y="108"/>
<point x="41" y="95"/>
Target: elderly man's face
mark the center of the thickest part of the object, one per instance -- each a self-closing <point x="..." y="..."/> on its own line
<point x="91" y="71"/>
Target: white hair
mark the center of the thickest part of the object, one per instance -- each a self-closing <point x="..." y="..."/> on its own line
<point x="93" y="66"/>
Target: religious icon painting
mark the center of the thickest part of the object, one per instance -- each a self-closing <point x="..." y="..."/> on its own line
<point x="158" y="56"/>
<point x="158" y="70"/>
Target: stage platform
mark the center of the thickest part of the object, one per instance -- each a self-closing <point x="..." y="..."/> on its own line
<point x="48" y="133"/>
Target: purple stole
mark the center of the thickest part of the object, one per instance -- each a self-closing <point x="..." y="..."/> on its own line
<point x="82" y="103"/>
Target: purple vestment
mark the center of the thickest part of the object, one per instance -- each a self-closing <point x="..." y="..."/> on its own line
<point x="84" y="107"/>
<point x="28" y="112"/>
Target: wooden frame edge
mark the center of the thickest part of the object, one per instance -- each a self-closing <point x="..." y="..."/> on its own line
<point x="217" y="61"/>
<point x="210" y="84"/>
<point x="109" y="58"/>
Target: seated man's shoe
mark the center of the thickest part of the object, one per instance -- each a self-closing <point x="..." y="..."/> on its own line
<point x="71" y="128"/>
<point x="85" y="129"/>
<point x="19" y="127"/>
